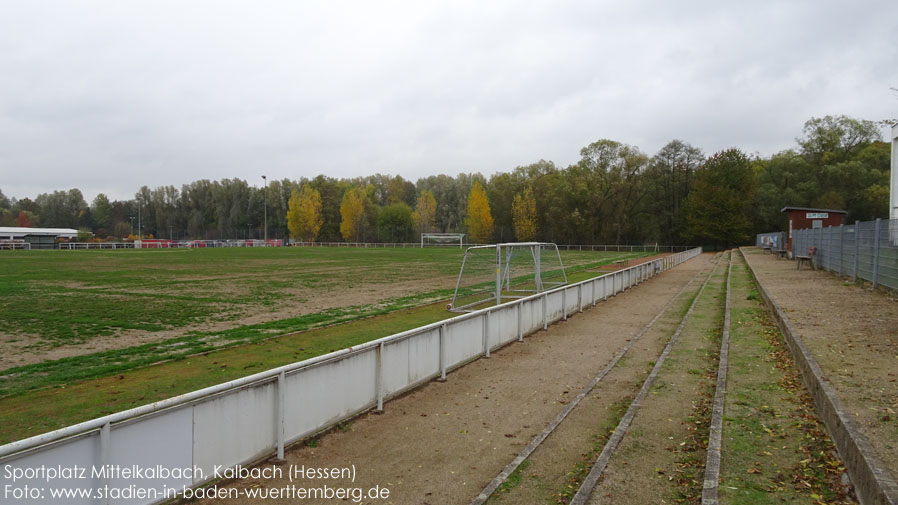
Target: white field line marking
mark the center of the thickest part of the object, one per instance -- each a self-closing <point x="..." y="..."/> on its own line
<point x="589" y="483"/>
<point x="539" y="438"/>
<point x="712" y="462"/>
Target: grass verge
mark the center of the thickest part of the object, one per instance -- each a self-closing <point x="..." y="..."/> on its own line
<point x="775" y="449"/>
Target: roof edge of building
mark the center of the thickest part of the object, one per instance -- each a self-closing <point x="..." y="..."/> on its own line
<point x="784" y="209"/>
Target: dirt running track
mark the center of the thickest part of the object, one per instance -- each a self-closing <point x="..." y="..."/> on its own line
<point x="442" y="443"/>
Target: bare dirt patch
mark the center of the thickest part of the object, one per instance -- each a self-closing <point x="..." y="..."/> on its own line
<point x="28" y="349"/>
<point x="853" y="334"/>
<point x="444" y="442"/>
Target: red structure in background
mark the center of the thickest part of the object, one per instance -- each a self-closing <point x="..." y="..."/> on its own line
<point x="801" y="218"/>
<point x="170" y="244"/>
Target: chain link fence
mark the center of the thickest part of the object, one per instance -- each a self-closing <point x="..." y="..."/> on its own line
<point x="865" y="250"/>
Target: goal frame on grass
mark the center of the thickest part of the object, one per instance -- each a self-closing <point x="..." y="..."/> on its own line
<point x="444" y="238"/>
<point x="503" y="273"/>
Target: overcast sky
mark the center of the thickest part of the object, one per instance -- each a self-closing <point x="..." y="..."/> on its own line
<point x="109" y="96"/>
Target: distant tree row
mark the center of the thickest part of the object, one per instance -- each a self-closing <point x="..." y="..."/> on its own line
<point x="614" y="194"/>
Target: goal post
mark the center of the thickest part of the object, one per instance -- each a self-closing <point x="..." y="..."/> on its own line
<point x="442" y="239"/>
<point x="490" y="274"/>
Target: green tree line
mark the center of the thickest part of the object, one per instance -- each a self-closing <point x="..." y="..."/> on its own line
<point x="614" y="194"/>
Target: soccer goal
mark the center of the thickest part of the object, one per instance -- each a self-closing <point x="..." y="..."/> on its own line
<point x="490" y="274"/>
<point x="442" y="239"/>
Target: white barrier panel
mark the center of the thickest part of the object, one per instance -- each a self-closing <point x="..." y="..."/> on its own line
<point x="81" y="452"/>
<point x="322" y="395"/>
<point x="157" y="440"/>
<point x="247" y="434"/>
<point x="506" y="324"/>
<point x="411" y="360"/>
<point x="249" y="418"/>
<point x="464" y="340"/>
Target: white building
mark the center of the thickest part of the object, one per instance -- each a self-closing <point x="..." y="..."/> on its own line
<point x="39" y="238"/>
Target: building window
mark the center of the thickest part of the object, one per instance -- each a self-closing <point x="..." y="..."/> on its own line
<point x="817" y="223"/>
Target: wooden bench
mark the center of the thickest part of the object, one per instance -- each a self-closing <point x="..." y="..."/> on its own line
<point x="780" y="253"/>
<point x="809" y="258"/>
<point x="765" y="248"/>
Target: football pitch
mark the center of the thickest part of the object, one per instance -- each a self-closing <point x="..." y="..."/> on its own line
<point x="75" y="316"/>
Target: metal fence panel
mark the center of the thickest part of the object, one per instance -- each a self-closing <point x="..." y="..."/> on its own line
<point x="531" y="315"/>
<point x="323" y="394"/>
<point x="866" y="250"/>
<point x="553" y="306"/>
<point x="158" y="440"/>
<point x="82" y="451"/>
<point x="888" y="254"/>
<point x="463" y="341"/>
<point x="411" y="360"/>
<point x="505" y="328"/>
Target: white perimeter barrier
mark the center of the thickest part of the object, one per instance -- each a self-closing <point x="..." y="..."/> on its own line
<point x="247" y="419"/>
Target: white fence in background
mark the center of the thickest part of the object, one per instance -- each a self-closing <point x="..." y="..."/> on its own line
<point x="193" y="244"/>
<point x="253" y="417"/>
<point x="172" y="244"/>
<point x="562" y="247"/>
<point x="15" y="244"/>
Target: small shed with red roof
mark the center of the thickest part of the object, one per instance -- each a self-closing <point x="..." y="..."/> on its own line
<point x="801" y="218"/>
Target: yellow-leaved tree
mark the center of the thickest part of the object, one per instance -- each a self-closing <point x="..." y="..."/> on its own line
<point x="352" y="214"/>
<point x="480" y="219"/>
<point x="425" y="211"/>
<point x="304" y="214"/>
<point x="523" y="215"/>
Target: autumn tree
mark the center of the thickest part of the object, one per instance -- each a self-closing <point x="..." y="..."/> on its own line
<point x="352" y="214"/>
<point x="22" y="220"/>
<point x="425" y="211"/>
<point x="304" y="214"/>
<point x="523" y="211"/>
<point x="479" y="220"/>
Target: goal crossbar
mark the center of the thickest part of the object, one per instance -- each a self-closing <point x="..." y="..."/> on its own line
<point x="506" y="286"/>
<point x="443" y="238"/>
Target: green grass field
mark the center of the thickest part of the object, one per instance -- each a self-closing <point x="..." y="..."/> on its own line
<point x="73" y="296"/>
<point x="52" y="299"/>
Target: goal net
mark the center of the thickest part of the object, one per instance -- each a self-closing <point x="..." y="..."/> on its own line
<point x="491" y="274"/>
<point x="438" y="239"/>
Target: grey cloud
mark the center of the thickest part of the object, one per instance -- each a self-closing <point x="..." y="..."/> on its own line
<point x="109" y="96"/>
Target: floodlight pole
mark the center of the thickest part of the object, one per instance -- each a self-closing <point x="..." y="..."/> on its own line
<point x="266" y="208"/>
